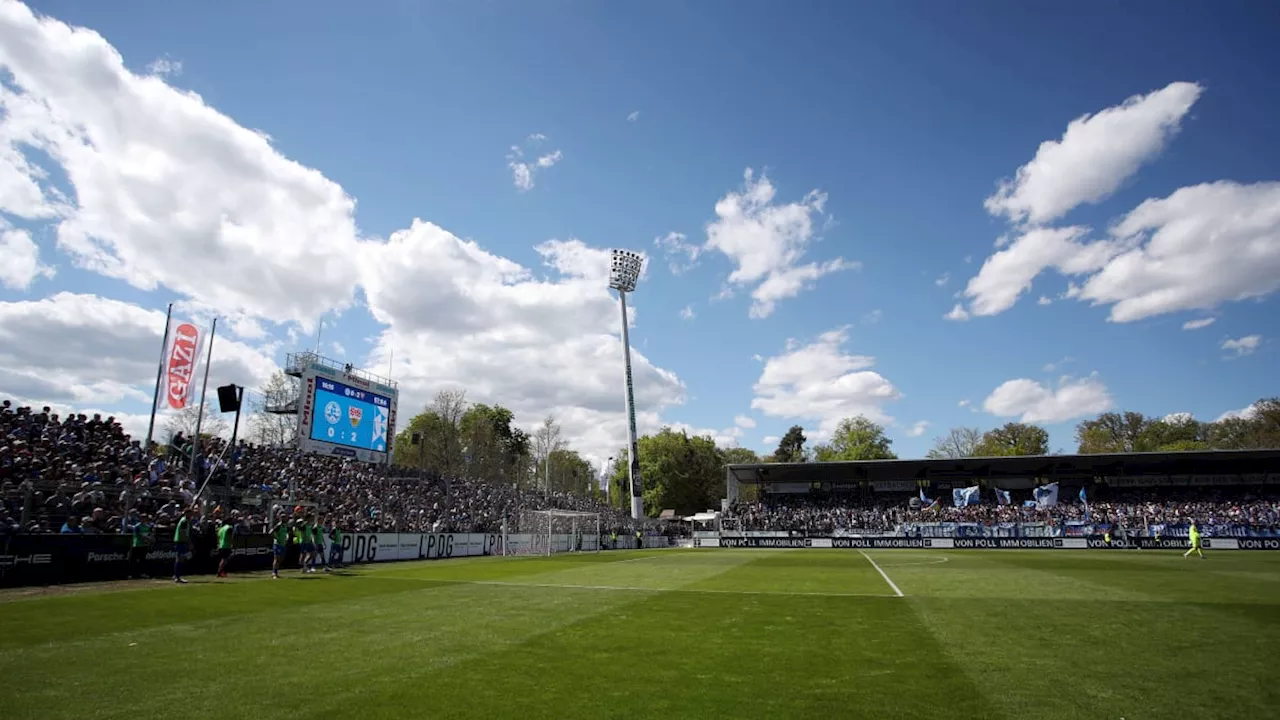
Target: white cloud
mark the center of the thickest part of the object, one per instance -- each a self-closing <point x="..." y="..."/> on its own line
<point x="1245" y="413"/>
<point x="165" y="66"/>
<point x="634" y="116"/>
<point x="744" y="421"/>
<point x="1201" y="246"/>
<point x="681" y="256"/>
<point x="522" y="173"/>
<point x="21" y="260"/>
<point x="918" y="428"/>
<point x="769" y="440"/>
<point x="957" y="314"/>
<point x="161" y="182"/>
<point x="535" y="345"/>
<point x="339" y="350"/>
<point x="725" y="438"/>
<point x="1044" y="300"/>
<point x="1178" y="418"/>
<point x="1096" y="154"/>
<point x="1196" y="249"/>
<point x="873" y="317"/>
<point x="766" y="241"/>
<point x="1054" y="366"/>
<point x="1242" y="346"/>
<point x="819" y="381"/>
<point x="1033" y="402"/>
<point x="1008" y="273"/>
<point x="1197" y="324"/>
<point x="46" y="346"/>
<point x="963" y="403"/>
<point x="686" y="312"/>
<point x="942" y="279"/>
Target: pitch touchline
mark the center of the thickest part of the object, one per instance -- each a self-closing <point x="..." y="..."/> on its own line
<point x="628" y="588"/>
<point x="884" y="575"/>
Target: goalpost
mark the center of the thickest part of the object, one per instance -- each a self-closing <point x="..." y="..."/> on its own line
<point x="544" y="532"/>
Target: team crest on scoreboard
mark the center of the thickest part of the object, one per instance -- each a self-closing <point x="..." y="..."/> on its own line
<point x="354" y="414"/>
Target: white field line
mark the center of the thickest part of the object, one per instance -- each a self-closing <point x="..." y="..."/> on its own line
<point x="934" y="561"/>
<point x="896" y="590"/>
<point x="629" y="588"/>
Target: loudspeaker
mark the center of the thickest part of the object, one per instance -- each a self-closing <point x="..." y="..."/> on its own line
<point x="229" y="398"/>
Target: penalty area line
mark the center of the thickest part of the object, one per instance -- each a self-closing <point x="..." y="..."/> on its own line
<point x="883" y="574"/>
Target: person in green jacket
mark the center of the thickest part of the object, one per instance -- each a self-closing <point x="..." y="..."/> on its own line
<point x="1194" y="536"/>
<point x="226" y="532"/>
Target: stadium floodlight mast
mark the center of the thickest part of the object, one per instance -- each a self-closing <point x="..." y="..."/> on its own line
<point x="624" y="271"/>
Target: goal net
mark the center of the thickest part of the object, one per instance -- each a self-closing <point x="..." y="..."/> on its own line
<point x="543" y="532"/>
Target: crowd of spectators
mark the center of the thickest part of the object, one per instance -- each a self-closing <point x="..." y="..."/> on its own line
<point x="84" y="474"/>
<point x="1138" y="510"/>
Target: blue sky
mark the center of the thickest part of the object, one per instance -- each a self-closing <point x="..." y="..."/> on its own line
<point x="881" y="128"/>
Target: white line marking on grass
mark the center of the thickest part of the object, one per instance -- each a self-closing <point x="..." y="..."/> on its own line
<point x="698" y="591"/>
<point x="896" y="591"/>
<point x="934" y="561"/>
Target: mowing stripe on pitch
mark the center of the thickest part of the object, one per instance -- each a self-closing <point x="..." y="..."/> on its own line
<point x="884" y="575"/>
<point x="699" y="591"/>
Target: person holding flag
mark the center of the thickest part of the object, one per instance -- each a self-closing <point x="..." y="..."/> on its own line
<point x="1194" y="536"/>
<point x="1003" y="497"/>
<point x="1085" y="499"/>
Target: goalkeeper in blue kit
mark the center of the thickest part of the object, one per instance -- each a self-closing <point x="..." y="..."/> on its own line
<point x="1194" y="536"/>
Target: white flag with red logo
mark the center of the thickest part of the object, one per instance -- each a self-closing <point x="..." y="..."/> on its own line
<point x="182" y="356"/>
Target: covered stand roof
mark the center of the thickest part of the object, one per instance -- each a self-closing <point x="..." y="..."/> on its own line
<point x="1213" y="462"/>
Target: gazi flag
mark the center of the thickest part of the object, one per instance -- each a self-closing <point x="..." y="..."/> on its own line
<point x="1047" y="495"/>
<point x="182" y="356"/>
<point x="1002" y="497"/>
<point x="966" y="496"/>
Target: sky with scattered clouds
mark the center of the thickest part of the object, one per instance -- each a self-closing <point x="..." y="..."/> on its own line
<point x="929" y="214"/>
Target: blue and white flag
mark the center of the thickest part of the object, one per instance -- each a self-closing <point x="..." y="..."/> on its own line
<point x="966" y="496"/>
<point x="926" y="503"/>
<point x="1083" y="498"/>
<point x="1002" y="497"/>
<point x="1047" y="495"/>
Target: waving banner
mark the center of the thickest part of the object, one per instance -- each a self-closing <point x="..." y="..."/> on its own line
<point x="180" y="364"/>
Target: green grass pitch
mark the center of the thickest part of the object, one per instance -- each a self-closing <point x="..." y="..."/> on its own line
<point x="669" y="634"/>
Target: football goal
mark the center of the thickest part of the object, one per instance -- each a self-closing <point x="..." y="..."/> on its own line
<point x="544" y="532"/>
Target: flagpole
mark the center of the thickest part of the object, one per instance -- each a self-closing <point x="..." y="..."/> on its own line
<point x="155" y="396"/>
<point x="204" y="390"/>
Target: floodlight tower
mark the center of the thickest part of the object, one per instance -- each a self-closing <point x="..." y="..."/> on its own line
<point x="624" y="271"/>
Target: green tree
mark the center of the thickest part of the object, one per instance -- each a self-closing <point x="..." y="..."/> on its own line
<point x="493" y="450"/>
<point x="682" y="473"/>
<point x="960" y="442"/>
<point x="791" y="447"/>
<point x="740" y="456"/>
<point x="1112" y="432"/>
<point x="856" y="438"/>
<point x="570" y="473"/>
<point x="1257" y="429"/>
<point x="1014" y="439"/>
